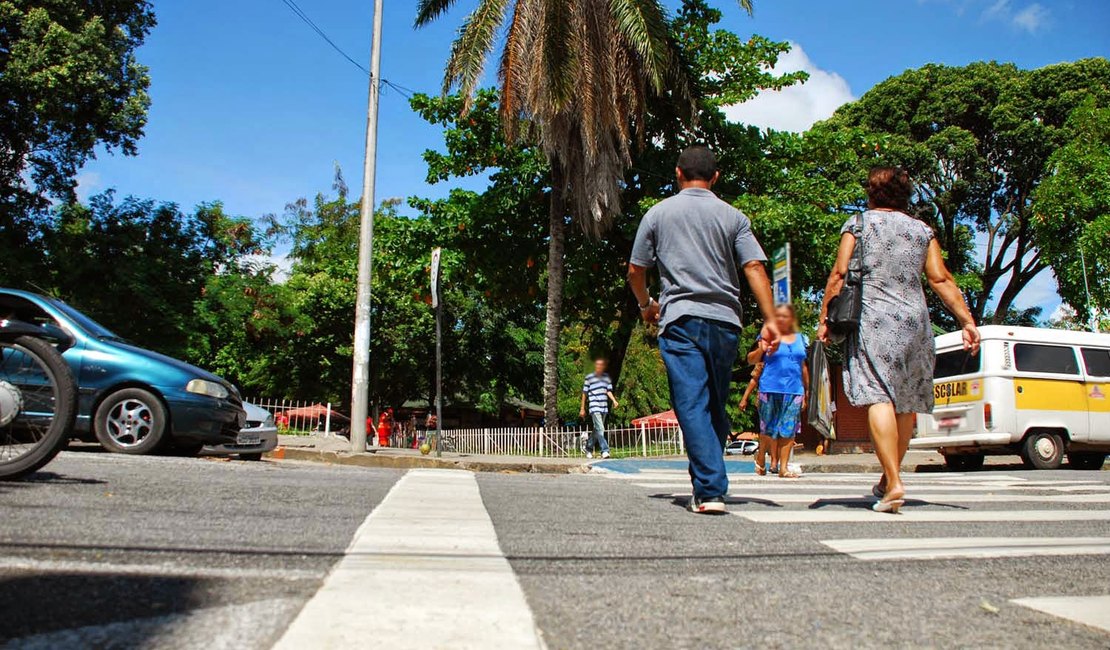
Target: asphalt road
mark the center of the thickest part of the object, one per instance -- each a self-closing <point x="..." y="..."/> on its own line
<point x="108" y="551"/>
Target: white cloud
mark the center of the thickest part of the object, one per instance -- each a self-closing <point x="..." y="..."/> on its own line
<point x="1000" y="10"/>
<point x="87" y="184"/>
<point x="795" y="108"/>
<point x="1032" y="19"/>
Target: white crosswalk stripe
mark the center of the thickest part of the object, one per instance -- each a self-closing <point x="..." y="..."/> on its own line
<point x="936" y="548"/>
<point x="1088" y="610"/>
<point x="430" y="546"/>
<point x="933" y="502"/>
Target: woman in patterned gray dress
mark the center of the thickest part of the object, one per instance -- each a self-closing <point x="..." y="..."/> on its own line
<point x="889" y="362"/>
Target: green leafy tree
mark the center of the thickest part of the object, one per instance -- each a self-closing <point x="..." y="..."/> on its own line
<point x="978" y="140"/>
<point x="575" y="78"/>
<point x="69" y="82"/>
<point x="139" y="266"/>
<point x="241" y="326"/>
<point x="1072" y="211"/>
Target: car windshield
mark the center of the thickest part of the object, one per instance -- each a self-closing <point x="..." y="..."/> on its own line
<point x="90" y="326"/>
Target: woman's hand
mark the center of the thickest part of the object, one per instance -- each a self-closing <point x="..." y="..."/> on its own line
<point x="971" y="338"/>
<point x="744" y="404"/>
<point x="823" y="333"/>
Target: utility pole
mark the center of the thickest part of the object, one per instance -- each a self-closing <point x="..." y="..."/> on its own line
<point x="1093" y="322"/>
<point x="360" y="379"/>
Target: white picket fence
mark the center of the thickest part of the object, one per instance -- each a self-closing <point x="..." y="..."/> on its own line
<point x="299" y="417"/>
<point x="564" y="443"/>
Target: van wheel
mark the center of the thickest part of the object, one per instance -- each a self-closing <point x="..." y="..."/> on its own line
<point x="131" y="421"/>
<point x="1043" y="450"/>
<point x="964" y="462"/>
<point x="1086" y="459"/>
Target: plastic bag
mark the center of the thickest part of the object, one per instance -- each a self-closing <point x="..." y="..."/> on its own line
<point x="822" y="406"/>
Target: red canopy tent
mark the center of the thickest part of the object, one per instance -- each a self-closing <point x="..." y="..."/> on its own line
<point x="664" y="419"/>
<point x="314" y="411"/>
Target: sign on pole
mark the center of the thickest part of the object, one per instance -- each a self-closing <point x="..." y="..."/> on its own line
<point x="435" y="276"/>
<point x="439" y="348"/>
<point x="780" y="274"/>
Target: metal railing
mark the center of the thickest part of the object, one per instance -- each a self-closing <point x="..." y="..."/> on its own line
<point x="563" y="443"/>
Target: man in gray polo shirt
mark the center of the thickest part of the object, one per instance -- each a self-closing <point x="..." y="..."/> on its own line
<point x="700" y="244"/>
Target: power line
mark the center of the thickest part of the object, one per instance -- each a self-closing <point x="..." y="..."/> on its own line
<point x="316" y="28"/>
<point x="407" y="93"/>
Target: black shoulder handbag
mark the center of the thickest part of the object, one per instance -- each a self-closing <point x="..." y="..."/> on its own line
<point x="846" y="308"/>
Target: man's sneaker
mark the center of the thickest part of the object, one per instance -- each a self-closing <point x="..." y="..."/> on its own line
<point x="589" y="454"/>
<point x="707" y="506"/>
<point x="604" y="454"/>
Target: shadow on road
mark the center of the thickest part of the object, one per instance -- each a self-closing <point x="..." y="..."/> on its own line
<point x="864" y="503"/>
<point x="32" y="604"/>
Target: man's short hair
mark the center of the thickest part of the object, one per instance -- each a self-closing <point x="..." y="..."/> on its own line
<point x="697" y="163"/>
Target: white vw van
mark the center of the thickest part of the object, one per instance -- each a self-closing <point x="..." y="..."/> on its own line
<point x="1038" y="393"/>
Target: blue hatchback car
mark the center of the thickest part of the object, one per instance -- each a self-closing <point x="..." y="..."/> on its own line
<point x="132" y="400"/>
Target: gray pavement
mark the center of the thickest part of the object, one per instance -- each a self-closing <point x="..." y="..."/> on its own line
<point x="118" y="552"/>
<point x="101" y="550"/>
<point x="627" y="567"/>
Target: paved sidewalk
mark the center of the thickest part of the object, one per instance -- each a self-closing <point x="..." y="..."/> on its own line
<point x="336" y="450"/>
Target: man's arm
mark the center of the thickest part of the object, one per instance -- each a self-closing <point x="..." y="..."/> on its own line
<point x="613" y="397"/>
<point x="760" y="284"/>
<point x="637" y="280"/>
<point x="582" y="408"/>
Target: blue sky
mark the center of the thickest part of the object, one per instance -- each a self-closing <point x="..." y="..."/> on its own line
<point x="250" y="107"/>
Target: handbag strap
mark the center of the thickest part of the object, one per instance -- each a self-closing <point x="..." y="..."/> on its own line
<point x="858" y="252"/>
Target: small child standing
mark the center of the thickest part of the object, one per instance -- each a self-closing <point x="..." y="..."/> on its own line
<point x="764" y="440"/>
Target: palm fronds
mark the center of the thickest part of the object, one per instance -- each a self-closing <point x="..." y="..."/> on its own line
<point x="575" y="76"/>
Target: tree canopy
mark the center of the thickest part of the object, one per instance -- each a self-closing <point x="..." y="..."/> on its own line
<point x="978" y="140"/>
<point x="69" y="82"/>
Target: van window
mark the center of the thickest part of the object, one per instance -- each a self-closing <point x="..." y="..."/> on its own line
<point x="956" y="362"/>
<point x="1045" y="358"/>
<point x="1097" y="362"/>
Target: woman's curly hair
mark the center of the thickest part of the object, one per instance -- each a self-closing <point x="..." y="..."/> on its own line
<point x="890" y="188"/>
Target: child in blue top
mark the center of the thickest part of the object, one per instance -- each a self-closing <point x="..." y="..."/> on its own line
<point x="783" y="393"/>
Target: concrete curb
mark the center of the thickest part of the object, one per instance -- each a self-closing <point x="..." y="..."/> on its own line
<point x="426" y="462"/>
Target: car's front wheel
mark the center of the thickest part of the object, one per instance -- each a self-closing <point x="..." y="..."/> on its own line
<point x="131" y="421"/>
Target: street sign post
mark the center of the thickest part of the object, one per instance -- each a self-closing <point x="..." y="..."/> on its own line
<point x="780" y="274"/>
<point x="436" y="254"/>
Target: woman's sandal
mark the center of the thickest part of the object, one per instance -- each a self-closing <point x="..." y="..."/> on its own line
<point x="789" y="475"/>
<point x="760" y="470"/>
<point x="878" y="491"/>
<point x="891" y="506"/>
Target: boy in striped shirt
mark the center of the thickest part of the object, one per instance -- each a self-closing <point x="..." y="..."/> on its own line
<point x="597" y="390"/>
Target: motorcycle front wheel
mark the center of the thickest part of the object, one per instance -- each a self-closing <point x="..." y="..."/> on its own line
<point x="38" y="405"/>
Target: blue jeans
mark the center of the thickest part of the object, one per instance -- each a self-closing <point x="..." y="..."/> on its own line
<point x="597" y="440"/>
<point x="699" y="355"/>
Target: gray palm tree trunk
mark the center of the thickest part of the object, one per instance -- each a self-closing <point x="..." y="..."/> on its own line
<point x="556" y="275"/>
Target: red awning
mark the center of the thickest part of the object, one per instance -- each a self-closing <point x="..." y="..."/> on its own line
<point x="664" y="419"/>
